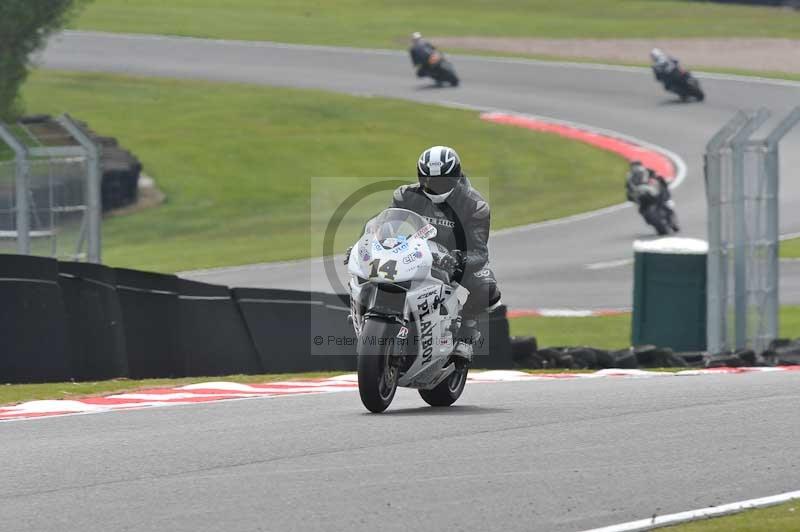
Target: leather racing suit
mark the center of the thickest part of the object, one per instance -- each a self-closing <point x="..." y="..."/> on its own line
<point x="462" y="222"/>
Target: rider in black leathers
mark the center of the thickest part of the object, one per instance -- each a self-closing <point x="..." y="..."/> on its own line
<point x="445" y="198"/>
<point x="420" y="51"/>
<point x="644" y="186"/>
<point x="666" y="69"/>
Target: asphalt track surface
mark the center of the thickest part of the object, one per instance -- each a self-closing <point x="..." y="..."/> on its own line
<point x="535" y="456"/>
<point x="549" y="456"/>
<point x="542" y="267"/>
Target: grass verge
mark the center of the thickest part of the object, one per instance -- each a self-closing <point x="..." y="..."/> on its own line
<point x="784" y="517"/>
<point x="386" y="23"/>
<point x="236" y="162"/>
<point x="610" y="332"/>
<point x="790" y="249"/>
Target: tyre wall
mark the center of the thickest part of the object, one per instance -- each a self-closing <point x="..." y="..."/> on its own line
<point x="62" y="321"/>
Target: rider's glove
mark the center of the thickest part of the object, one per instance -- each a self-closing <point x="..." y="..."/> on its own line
<point x="449" y="263"/>
<point x="347" y="255"/>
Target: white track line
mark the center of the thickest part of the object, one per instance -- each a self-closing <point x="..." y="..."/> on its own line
<point x="609" y="264"/>
<point x="702" y="513"/>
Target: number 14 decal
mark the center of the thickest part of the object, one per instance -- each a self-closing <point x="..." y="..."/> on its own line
<point x="389" y="269"/>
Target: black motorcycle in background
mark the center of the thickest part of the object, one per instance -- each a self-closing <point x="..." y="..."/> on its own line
<point x="431" y="63"/>
<point x="684" y="84"/>
<point x="441" y="70"/>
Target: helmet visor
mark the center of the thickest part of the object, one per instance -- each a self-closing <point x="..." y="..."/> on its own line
<point x="438" y="184"/>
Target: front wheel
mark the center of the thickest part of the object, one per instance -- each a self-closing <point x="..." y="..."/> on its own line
<point x="448" y="391"/>
<point x="377" y="375"/>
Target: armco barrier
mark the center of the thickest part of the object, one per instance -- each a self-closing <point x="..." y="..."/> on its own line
<point x="33" y="337"/>
<point x="61" y="321"/>
<point x="94" y="321"/>
<point x="280" y="324"/>
<point x="150" y="313"/>
<point x="329" y="320"/>
<point x="213" y="338"/>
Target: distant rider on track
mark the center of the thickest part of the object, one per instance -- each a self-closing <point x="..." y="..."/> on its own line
<point x="446" y="199"/>
<point x="665" y="68"/>
<point x="420" y="51"/>
<point x="644" y="186"/>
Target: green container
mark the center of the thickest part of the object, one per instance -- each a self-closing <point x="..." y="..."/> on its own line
<point x="669" y="293"/>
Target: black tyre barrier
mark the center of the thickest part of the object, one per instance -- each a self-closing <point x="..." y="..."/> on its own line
<point x="523" y="352"/>
<point x="781" y="352"/>
<point x="625" y="359"/>
<point x="120" y="168"/>
<point x="94" y="321"/>
<point x="654" y="357"/>
<point x="150" y="312"/>
<point x="213" y="338"/>
<point x="33" y="332"/>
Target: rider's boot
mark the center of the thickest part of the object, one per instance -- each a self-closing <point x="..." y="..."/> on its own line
<point x="468" y="335"/>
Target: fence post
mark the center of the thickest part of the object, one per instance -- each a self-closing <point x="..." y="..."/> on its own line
<point x="738" y="143"/>
<point x="23" y="220"/>
<point x="93" y="188"/>
<point x="716" y="318"/>
<point x="742" y="185"/>
<point x="772" y="167"/>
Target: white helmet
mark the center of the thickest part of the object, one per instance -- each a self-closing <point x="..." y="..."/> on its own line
<point x="657" y="55"/>
<point x="416" y="36"/>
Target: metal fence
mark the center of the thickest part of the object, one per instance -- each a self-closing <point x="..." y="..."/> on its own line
<point x="742" y="185"/>
<point x="50" y="201"/>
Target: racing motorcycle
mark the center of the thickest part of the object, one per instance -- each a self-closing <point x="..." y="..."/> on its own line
<point x="441" y="69"/>
<point x="655" y="210"/>
<point x="405" y="313"/>
<point x="685" y="85"/>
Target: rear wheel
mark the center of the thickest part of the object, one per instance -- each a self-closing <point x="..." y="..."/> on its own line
<point x="654" y="217"/>
<point x="377" y="373"/>
<point x="694" y="90"/>
<point x="448" y="391"/>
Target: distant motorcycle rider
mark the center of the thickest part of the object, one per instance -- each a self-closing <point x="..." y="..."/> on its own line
<point x="447" y="200"/>
<point x="420" y="51"/>
<point x="665" y="68"/>
<point x="644" y="186"/>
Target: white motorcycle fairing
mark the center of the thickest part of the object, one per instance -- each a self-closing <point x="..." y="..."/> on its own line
<point x="392" y="277"/>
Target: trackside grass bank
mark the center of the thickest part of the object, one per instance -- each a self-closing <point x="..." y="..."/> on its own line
<point x="785" y="517"/>
<point x="386" y="23"/>
<point x="610" y="332"/>
<point x="790" y="249"/>
<point x="237" y="161"/>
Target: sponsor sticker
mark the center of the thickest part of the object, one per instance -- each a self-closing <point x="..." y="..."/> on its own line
<point x="426" y="232"/>
<point x="403" y="334"/>
<point x="408" y="259"/>
<point x="426" y="331"/>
